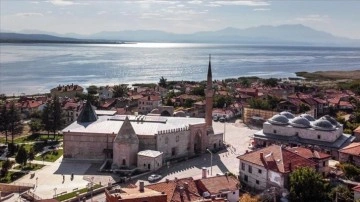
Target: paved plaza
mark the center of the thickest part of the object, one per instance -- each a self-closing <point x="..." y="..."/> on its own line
<point x="49" y="179"/>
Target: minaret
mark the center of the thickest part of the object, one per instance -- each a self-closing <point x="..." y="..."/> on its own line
<point x="209" y="93"/>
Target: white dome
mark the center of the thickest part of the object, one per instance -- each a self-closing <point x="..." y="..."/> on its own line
<point x="331" y="120"/>
<point x="322" y="124"/>
<point x="308" y="117"/>
<point x="287" y="114"/>
<point x="300" y="122"/>
<point x="279" y="120"/>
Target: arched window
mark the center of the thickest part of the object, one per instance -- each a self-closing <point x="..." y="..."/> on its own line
<point x="124" y="162"/>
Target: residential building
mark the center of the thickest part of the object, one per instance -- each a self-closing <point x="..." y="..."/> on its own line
<point x="356" y="193"/>
<point x="225" y="186"/>
<point x="148" y="103"/>
<point x="270" y="166"/>
<point x="69" y="91"/>
<point x="350" y="154"/>
<point x="106" y="92"/>
<point x="357" y="134"/>
<point x="324" y="134"/>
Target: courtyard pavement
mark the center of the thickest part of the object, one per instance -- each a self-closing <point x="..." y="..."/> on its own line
<point x="50" y="178"/>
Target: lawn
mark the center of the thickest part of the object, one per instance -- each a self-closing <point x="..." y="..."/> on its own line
<point x="37" y="137"/>
<point x="29" y="167"/>
<point x="50" y="156"/>
<point x="73" y="194"/>
<point x="11" y="176"/>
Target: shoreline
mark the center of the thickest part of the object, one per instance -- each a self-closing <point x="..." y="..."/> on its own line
<point x="300" y="76"/>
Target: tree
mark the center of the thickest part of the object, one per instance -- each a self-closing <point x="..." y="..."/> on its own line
<point x="93" y="90"/>
<point x="21" y="156"/>
<point x="220" y="101"/>
<point x="35" y="125"/>
<point x="304" y="108"/>
<point x="14" y="120"/>
<point x="45" y="118"/>
<point x="257" y="103"/>
<point x="162" y="82"/>
<point x="4" y="121"/>
<point x="248" y="198"/>
<point x="307" y="185"/>
<point x="120" y="91"/>
<point x="271" y="82"/>
<point x="245" y="83"/>
<point x="200" y="91"/>
<point x="5" y="167"/>
<point x="57" y="118"/>
<point x="31" y="155"/>
<point x="341" y="193"/>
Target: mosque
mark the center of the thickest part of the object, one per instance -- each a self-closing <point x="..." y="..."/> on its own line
<point x="140" y="141"/>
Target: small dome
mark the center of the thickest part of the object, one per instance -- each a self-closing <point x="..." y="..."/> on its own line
<point x="300" y="122"/>
<point x="278" y="120"/>
<point x="322" y="125"/>
<point x="308" y="117"/>
<point x="287" y="114"/>
<point x="180" y="114"/>
<point x="331" y="120"/>
<point x="155" y="111"/>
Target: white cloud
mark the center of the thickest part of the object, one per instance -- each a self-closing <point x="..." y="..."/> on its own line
<point x="29" y="14"/>
<point x="261" y="9"/>
<point x="240" y="3"/>
<point x="194" y="2"/>
<point x="34" y="2"/>
<point x="101" y="12"/>
<point x="313" y="18"/>
<point x="65" y="2"/>
<point x="153" y="2"/>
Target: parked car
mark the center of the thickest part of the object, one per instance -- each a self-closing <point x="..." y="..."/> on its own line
<point x="154" y="177"/>
<point x="222" y="119"/>
<point x="215" y="118"/>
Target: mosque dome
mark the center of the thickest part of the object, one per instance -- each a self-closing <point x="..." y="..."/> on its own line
<point x="331" y="120"/>
<point x="279" y="119"/>
<point x="287" y="114"/>
<point x="322" y="124"/>
<point x="300" y="122"/>
<point x="308" y="117"/>
<point x="155" y="111"/>
<point x="180" y="114"/>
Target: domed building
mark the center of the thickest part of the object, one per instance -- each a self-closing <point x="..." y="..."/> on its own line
<point x="286" y="129"/>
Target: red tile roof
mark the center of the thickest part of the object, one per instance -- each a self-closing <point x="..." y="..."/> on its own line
<point x="176" y="191"/>
<point x="151" y="98"/>
<point x="357" y="130"/>
<point x="357" y="188"/>
<point x="277" y="159"/>
<point x="308" y="153"/>
<point x="215" y="185"/>
<point x="352" y="149"/>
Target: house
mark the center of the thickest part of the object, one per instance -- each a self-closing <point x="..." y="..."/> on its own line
<point x="106" y="92"/>
<point x="320" y="158"/>
<point x="69" y="91"/>
<point x="356" y="192"/>
<point x="107" y="104"/>
<point x="72" y="110"/>
<point x="181" y="99"/>
<point x="225" y="186"/>
<point x="178" y="190"/>
<point x="357" y="134"/>
<point x="148" y="103"/>
<point x="270" y="166"/>
<point x="134" y="194"/>
<point x="350" y="153"/>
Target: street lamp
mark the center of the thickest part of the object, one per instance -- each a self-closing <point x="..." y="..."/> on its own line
<point x="55" y="192"/>
<point x="211" y="159"/>
<point x="36" y="181"/>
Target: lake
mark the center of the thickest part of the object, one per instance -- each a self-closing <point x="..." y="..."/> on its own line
<point x="36" y="68"/>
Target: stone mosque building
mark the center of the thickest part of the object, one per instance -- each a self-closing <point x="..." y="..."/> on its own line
<point x="140" y="141"/>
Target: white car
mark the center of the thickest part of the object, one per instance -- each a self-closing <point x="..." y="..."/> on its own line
<point x="154" y="177"/>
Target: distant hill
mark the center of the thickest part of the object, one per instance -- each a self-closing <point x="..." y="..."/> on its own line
<point x="294" y="34"/>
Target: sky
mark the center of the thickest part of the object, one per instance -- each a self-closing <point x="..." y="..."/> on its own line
<point x="338" y="17"/>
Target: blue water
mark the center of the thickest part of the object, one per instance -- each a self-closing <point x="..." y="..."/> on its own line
<point x="36" y="68"/>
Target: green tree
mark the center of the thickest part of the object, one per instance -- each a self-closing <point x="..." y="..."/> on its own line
<point x="200" y="91"/>
<point x="304" y="108"/>
<point x="220" y="101"/>
<point x="257" y="103"/>
<point x="188" y="103"/>
<point x="271" y="82"/>
<point x="35" y="125"/>
<point x="14" y="120"/>
<point x="4" y="121"/>
<point x="341" y="193"/>
<point x="56" y="116"/>
<point x="93" y="90"/>
<point x="120" y="91"/>
<point x="307" y="185"/>
<point x="21" y="156"/>
<point x="5" y="167"/>
<point x="31" y="155"/>
<point x="169" y="102"/>
<point x="45" y="118"/>
<point x="245" y="83"/>
<point x="162" y="82"/>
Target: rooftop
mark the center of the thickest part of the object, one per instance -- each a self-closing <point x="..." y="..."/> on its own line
<point x="219" y="184"/>
<point x="352" y="149"/>
<point x="150" y="153"/>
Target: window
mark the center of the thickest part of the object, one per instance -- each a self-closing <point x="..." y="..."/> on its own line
<point x="324" y="163"/>
<point x="319" y="137"/>
<point x="245" y="178"/>
<point x="275" y="131"/>
<point x="260" y="171"/>
<point x="250" y="169"/>
<point x="233" y="192"/>
<point x="257" y="181"/>
<point x="242" y="166"/>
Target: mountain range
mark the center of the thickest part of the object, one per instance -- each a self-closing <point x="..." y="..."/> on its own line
<point x="296" y="34"/>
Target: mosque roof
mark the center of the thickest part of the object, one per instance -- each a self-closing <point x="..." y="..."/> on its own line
<point x="308" y="117"/>
<point x="300" y="122"/>
<point x="288" y="115"/>
<point x="88" y="114"/>
<point x="331" y="120"/>
<point x="322" y="124"/>
<point x="126" y="133"/>
<point x="279" y="120"/>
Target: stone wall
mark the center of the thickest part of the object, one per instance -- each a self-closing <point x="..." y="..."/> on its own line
<point x="177" y="140"/>
<point x="147" y="142"/>
<point x="125" y="154"/>
<point x="143" y="162"/>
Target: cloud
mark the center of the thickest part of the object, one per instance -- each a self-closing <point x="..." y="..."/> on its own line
<point x="240" y="3"/>
<point x="313" y="18"/>
<point x="29" y="14"/>
<point x="101" y="12"/>
<point x="65" y="2"/>
<point x="261" y="9"/>
<point x="194" y="2"/>
<point x="34" y="2"/>
<point x="153" y="2"/>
